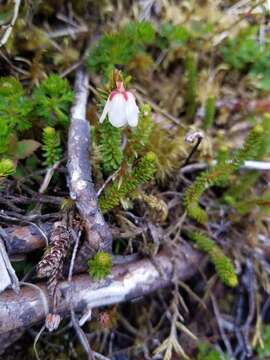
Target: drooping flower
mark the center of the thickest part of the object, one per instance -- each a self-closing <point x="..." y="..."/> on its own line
<point x="121" y="108"/>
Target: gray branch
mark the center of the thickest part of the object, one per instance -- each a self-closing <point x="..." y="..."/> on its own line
<point x="20" y="239"/>
<point x="79" y="170"/>
<point x="126" y="282"/>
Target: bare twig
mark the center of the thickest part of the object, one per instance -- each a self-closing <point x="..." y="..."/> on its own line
<point x="256" y="165"/>
<point x="76" y="237"/>
<point x="126" y="282"/>
<point x="146" y="6"/>
<point x="48" y="177"/>
<point x="106" y="182"/>
<point x="11" y="24"/>
<point x="67" y="31"/>
<point x="248" y="165"/>
<point x="221" y="329"/>
<point x="79" y="170"/>
<point x="99" y="356"/>
<point x="71" y="68"/>
<point x="158" y="109"/>
<point x="81" y="336"/>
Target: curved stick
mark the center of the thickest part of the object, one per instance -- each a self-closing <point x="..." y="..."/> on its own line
<point x="126" y="282"/>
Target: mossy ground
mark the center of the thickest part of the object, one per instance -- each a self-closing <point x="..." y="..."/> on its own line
<point x="195" y="65"/>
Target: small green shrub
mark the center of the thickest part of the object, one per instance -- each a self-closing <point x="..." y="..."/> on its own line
<point x="52" y="100"/>
<point x="245" y="54"/>
<point x="15" y="109"/>
<point x="120" y="48"/>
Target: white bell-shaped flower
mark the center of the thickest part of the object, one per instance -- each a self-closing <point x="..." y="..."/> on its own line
<point x="121" y="108"/>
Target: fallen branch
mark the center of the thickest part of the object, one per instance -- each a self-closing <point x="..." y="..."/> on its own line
<point x="125" y="283"/>
<point x="24" y="239"/>
<point x="79" y="170"/>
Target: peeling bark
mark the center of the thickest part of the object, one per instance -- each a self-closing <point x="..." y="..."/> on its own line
<point x="125" y="283"/>
<point x="79" y="170"/>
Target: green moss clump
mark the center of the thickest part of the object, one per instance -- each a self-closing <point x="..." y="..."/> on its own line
<point x="100" y="266"/>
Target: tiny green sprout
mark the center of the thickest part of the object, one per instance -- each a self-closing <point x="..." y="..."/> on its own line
<point x="230" y="200"/>
<point x="67" y="204"/>
<point x="258" y="129"/>
<point x="6" y="168"/>
<point x="100" y="266"/>
<point x="150" y="156"/>
<point x="51" y="146"/>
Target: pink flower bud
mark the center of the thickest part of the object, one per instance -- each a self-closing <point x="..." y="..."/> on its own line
<point x="121" y="108"/>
